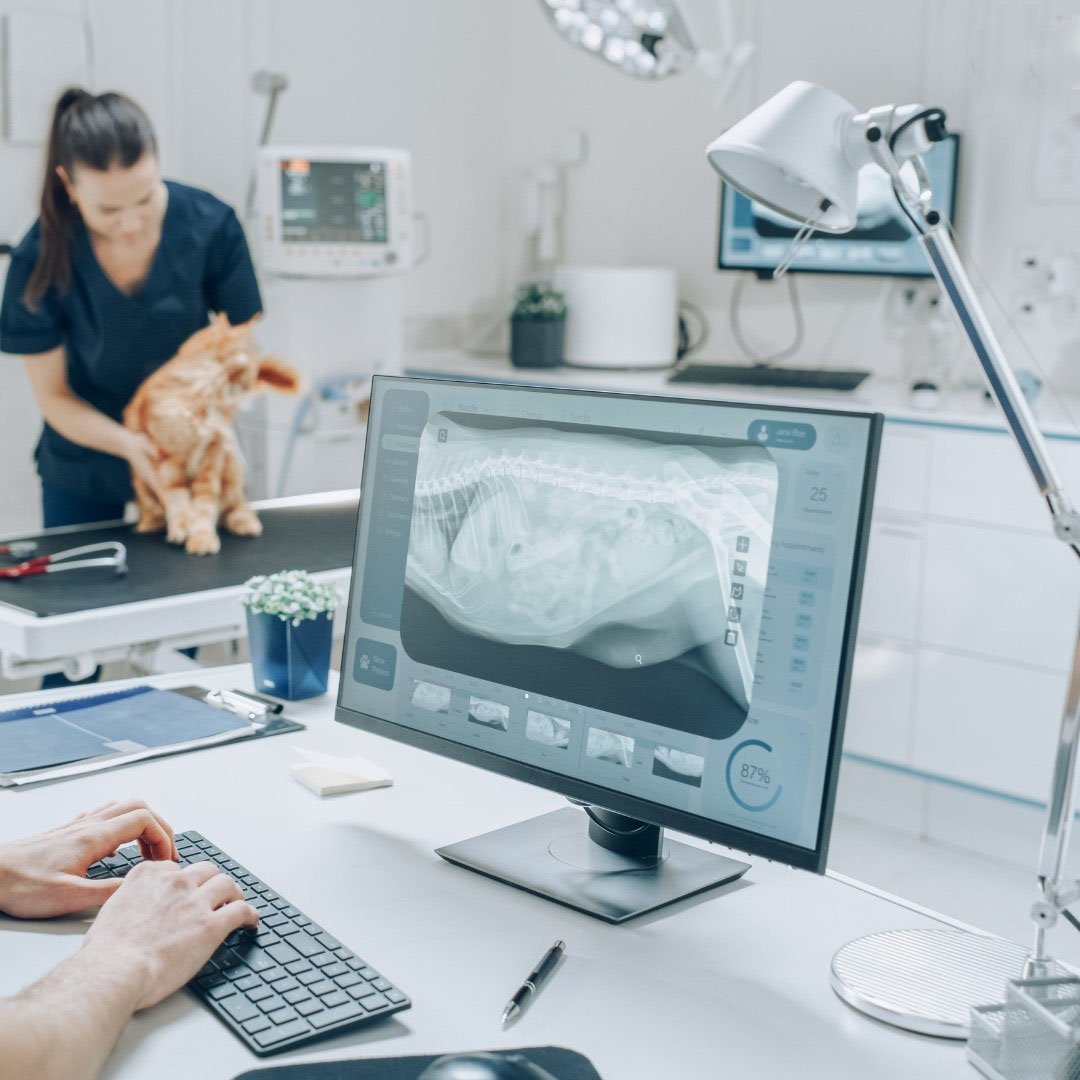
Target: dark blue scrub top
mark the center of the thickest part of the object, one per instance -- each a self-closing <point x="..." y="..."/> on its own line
<point x="112" y="340"/>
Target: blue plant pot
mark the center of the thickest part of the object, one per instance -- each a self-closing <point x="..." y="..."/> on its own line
<point x="290" y="662"/>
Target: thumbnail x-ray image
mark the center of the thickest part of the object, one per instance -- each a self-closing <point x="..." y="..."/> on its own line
<point x="610" y="746"/>
<point x="431" y="696"/>
<point x="678" y="765"/>
<point x="491" y="714"/>
<point x="549" y="730"/>
<point x="635" y="564"/>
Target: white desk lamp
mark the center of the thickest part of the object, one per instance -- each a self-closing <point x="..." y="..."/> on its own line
<point x="799" y="153"/>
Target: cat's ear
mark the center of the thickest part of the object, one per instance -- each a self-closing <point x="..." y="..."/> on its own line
<point x="275" y="374"/>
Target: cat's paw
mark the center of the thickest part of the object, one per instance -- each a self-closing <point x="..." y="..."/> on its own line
<point x="202" y="540"/>
<point x="243" y="521"/>
<point x="178" y="530"/>
<point x="150" y="523"/>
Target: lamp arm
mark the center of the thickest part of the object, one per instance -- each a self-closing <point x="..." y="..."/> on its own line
<point x="1057" y="892"/>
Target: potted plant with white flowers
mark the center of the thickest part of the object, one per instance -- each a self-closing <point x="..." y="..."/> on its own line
<point x="290" y="626"/>
<point x="537" y="327"/>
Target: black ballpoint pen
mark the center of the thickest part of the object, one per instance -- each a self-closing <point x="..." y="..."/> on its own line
<point x="534" y="980"/>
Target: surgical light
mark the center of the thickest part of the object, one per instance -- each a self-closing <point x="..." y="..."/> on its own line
<point x="799" y="153"/>
<point x="647" y="38"/>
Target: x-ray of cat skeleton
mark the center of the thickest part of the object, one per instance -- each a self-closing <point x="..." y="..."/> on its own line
<point x="618" y="548"/>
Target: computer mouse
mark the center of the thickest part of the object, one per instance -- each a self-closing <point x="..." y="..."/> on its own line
<point x="484" y="1066"/>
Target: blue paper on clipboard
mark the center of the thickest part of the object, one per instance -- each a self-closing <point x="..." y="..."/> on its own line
<point x="123" y="722"/>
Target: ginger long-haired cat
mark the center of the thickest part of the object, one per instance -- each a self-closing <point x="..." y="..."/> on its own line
<point x="187" y="408"/>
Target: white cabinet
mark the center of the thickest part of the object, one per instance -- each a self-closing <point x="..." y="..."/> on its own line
<point x="969" y="612"/>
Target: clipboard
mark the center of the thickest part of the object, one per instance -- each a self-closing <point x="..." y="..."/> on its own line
<point x="58" y="739"/>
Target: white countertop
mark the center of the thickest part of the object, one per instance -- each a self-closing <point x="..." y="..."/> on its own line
<point x="1057" y="415"/>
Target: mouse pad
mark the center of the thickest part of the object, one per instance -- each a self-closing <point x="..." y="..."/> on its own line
<point x="563" y="1064"/>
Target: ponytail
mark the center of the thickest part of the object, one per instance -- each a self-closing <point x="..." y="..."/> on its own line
<point x="97" y="131"/>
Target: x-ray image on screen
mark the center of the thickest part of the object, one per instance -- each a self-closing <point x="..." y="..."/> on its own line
<point x="610" y="569"/>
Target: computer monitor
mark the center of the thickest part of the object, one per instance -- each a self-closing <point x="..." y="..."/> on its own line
<point x="645" y="604"/>
<point x="753" y="237"/>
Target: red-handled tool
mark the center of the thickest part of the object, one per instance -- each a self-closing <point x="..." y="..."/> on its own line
<point x="18" y="548"/>
<point x="59" y="560"/>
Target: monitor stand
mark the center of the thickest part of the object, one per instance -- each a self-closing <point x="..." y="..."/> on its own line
<point x="619" y="869"/>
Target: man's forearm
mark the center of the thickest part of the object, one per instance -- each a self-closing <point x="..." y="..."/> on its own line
<point x="65" y="1025"/>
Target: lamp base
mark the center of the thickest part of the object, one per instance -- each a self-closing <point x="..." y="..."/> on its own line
<point x="925" y="980"/>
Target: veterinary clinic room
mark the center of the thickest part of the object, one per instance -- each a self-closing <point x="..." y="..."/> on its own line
<point x="538" y="539"/>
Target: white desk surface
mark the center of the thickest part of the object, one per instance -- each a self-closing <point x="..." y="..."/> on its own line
<point x="735" y="985"/>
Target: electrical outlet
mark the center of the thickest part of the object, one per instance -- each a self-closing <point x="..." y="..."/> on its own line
<point x="1027" y="309"/>
<point x="1030" y="263"/>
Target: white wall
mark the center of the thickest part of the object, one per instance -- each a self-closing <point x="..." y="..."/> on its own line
<point x="478" y="90"/>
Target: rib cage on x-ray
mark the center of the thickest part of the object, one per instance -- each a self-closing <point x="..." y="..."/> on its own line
<point x="618" y="548"/>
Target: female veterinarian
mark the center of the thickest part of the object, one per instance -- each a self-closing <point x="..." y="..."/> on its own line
<point x="119" y="269"/>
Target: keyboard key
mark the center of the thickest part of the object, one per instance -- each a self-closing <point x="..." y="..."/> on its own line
<point x="323" y="987"/>
<point x="239" y="1008"/>
<point x="222" y="991"/>
<point x="302" y="942"/>
<point x="327" y="942"/>
<point x="273" y="974"/>
<point x="271" y="1004"/>
<point x="396" y="996"/>
<point x="293" y="997"/>
<point x="381" y="984"/>
<point x="279" y="1034"/>
<point x="309" y="977"/>
<point x="361" y="990"/>
<point x="368" y="973"/>
<point x="259" y="993"/>
<point x="248" y="983"/>
<point x="286" y="984"/>
<point x="282" y="1016"/>
<point x="332" y="1016"/>
<point x="350" y="978"/>
<point x="337" y="997"/>
<point x="323" y="960"/>
<point x="256" y="1023"/>
<point x="375" y="1002"/>
<point x="282" y="953"/>
<point x="332" y="971"/>
<point x="306" y="1008"/>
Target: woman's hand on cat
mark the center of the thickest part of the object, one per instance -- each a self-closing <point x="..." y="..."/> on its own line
<point x="143" y="455"/>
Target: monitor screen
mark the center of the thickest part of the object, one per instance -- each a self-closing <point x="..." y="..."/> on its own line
<point x="645" y="603"/>
<point x="341" y="202"/>
<point x="753" y="237"/>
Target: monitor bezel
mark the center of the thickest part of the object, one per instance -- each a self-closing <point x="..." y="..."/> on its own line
<point x="764" y="271"/>
<point x="813" y="859"/>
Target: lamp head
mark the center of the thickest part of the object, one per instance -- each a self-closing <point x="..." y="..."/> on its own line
<point x="793" y="152"/>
